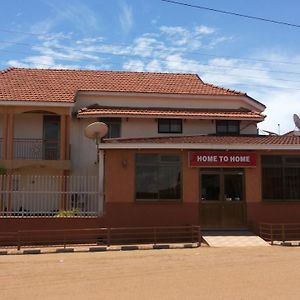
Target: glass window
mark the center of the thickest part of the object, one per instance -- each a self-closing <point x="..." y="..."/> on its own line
<point x="114" y="126"/>
<point x="281" y="177"/>
<point x="169" y="126"/>
<point x="228" y="127"/>
<point x="210" y="187"/>
<point x="158" y="177"/>
<point x="233" y="187"/>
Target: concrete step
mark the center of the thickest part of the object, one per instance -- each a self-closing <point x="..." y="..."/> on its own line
<point x="232" y="238"/>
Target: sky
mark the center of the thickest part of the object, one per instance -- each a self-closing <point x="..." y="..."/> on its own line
<point x="259" y="58"/>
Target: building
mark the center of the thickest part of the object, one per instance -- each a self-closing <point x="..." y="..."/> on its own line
<point x="179" y="151"/>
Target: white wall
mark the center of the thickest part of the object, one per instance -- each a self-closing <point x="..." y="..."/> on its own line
<point x="83" y="150"/>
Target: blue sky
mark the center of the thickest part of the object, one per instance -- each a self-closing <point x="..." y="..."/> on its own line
<point x="259" y="58"/>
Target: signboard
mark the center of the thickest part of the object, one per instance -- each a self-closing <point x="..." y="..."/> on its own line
<point x="222" y="159"/>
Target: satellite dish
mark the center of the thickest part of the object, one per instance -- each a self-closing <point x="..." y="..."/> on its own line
<point x="96" y="131"/>
<point x="296" y="120"/>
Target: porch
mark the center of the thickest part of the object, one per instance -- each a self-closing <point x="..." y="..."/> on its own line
<point x="49" y="196"/>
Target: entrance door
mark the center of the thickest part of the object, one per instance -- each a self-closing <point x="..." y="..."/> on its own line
<point x="222" y="202"/>
<point x="51" y="137"/>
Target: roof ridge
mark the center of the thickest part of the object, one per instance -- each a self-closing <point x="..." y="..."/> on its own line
<point x="104" y="71"/>
<point x="6" y="70"/>
<point x="222" y="88"/>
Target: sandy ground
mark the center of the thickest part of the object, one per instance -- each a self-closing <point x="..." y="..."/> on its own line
<point x="201" y="273"/>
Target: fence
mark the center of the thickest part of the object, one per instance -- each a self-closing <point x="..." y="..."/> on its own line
<point x="103" y="236"/>
<point x="63" y="196"/>
<point x="36" y="149"/>
<point x="280" y="231"/>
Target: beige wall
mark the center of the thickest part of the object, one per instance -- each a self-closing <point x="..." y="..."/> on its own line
<point x="1" y="125"/>
<point x="28" y="126"/>
<point x="156" y="101"/>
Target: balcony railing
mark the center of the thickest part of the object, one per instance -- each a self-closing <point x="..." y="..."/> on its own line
<point x="36" y="149"/>
<point x="48" y="196"/>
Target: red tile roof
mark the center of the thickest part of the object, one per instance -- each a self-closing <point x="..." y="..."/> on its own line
<point x="213" y="140"/>
<point x="171" y="112"/>
<point x="62" y="85"/>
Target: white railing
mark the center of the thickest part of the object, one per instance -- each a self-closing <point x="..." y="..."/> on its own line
<point x="48" y="196"/>
<point x="36" y="149"/>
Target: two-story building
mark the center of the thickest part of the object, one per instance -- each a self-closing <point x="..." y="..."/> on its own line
<point x="179" y="151"/>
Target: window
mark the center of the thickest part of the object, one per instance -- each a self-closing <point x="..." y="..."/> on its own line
<point x="169" y="126"/>
<point x="228" y="127"/>
<point x="158" y="177"/>
<point x="114" y="127"/>
<point x="281" y="177"/>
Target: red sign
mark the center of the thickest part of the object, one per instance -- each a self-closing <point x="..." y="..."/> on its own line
<point x="222" y="159"/>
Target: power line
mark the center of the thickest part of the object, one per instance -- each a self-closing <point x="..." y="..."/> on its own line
<point x="220" y="67"/>
<point x="131" y="55"/>
<point x="130" y="45"/>
<point x="181" y="71"/>
<point x="232" y="13"/>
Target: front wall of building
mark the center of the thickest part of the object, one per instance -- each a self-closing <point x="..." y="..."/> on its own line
<point x="123" y="210"/>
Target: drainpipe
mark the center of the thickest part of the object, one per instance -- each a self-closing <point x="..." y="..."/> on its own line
<point x="101" y="180"/>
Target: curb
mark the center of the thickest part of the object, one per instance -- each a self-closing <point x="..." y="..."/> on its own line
<point x="100" y="249"/>
<point x="290" y="244"/>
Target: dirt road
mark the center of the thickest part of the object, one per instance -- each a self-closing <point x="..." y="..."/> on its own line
<point x="202" y="273"/>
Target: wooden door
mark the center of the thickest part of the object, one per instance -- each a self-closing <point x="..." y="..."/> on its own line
<point x="222" y="203"/>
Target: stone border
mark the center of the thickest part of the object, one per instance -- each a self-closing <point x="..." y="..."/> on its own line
<point x="286" y="244"/>
<point x="99" y="249"/>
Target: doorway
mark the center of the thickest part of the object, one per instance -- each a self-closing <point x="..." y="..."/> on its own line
<point x="51" y="135"/>
<point x="222" y="199"/>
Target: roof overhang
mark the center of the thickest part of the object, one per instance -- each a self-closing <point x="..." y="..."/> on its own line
<point x="170" y="113"/>
<point x="198" y="146"/>
<point x="36" y="103"/>
<point x="259" y="106"/>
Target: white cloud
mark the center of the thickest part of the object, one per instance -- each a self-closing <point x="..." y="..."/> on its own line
<point x="126" y="17"/>
<point x="134" y="65"/>
<point x="205" y="29"/>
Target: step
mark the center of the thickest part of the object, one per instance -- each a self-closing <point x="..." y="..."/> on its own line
<point x="232" y="238"/>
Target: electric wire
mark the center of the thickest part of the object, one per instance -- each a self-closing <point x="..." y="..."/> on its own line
<point x="232" y="13"/>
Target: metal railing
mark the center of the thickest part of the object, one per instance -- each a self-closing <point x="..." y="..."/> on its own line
<point x="103" y="236"/>
<point x="48" y="196"/>
<point x="36" y="149"/>
<point x="281" y="232"/>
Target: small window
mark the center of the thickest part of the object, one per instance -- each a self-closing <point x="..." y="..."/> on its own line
<point x="169" y="126"/>
<point x="114" y="126"/>
<point x="228" y="127"/>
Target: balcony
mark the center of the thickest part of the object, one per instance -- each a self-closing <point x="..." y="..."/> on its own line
<point x="36" y="149"/>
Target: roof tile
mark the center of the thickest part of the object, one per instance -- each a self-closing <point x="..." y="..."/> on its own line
<point x="220" y="140"/>
<point x="62" y="85"/>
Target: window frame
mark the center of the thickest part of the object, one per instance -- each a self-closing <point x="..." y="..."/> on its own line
<point x="158" y="165"/>
<point x="283" y="165"/>
<point x="226" y="124"/>
<point x="111" y="121"/>
<point x="169" y="124"/>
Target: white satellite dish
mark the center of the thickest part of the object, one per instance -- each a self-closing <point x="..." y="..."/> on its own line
<point x="96" y="131"/>
<point x="296" y="120"/>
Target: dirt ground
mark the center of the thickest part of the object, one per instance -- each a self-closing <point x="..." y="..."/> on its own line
<point x="201" y="273"/>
